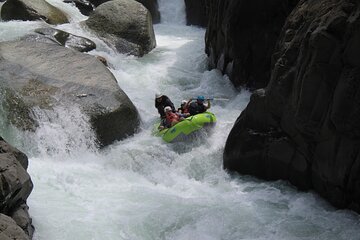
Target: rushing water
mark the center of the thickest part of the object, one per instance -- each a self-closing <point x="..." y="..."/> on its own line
<point x="141" y="188"/>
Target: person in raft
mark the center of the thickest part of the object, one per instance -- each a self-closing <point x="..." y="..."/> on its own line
<point x="171" y="118"/>
<point x="199" y="106"/>
<point x="183" y="110"/>
<point x="162" y="101"/>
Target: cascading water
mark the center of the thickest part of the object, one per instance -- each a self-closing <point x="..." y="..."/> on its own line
<point x="142" y="188"/>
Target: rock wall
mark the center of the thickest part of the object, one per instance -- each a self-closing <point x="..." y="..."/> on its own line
<point x="15" y="188"/>
<point x="241" y="37"/>
<point x="305" y="126"/>
<point x="197" y="12"/>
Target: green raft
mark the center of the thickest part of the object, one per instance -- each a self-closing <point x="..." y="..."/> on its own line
<point x="189" y="125"/>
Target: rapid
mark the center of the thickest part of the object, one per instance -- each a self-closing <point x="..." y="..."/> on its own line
<point x="142" y="188"/>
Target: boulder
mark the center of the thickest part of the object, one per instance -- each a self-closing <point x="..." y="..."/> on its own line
<point x="241" y="36"/>
<point x="15" y="187"/>
<point x="197" y="12"/>
<point x="151" y="5"/>
<point x="304" y="127"/>
<point x="15" y="182"/>
<point x="125" y="25"/>
<point x="9" y="230"/>
<point x="32" y="10"/>
<point x="34" y="74"/>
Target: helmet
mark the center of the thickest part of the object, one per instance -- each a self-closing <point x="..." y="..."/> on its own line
<point x="183" y="102"/>
<point x="200" y="98"/>
<point x="158" y="95"/>
<point x="167" y="108"/>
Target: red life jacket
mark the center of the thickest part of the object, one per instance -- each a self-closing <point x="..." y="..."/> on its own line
<point x="171" y="117"/>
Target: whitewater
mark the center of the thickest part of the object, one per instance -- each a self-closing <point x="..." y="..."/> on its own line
<point x="142" y="188"/>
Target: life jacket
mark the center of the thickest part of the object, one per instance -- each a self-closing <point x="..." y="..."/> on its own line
<point x="171" y="117"/>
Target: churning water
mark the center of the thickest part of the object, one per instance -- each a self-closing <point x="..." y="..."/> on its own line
<point x="142" y="188"/>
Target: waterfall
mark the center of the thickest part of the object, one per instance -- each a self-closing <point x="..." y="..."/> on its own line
<point x="172" y="11"/>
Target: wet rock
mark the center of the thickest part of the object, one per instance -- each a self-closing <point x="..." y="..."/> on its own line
<point x="32" y="10"/>
<point x="34" y="74"/>
<point x="124" y="25"/>
<point x="312" y="103"/>
<point x="241" y="37"/>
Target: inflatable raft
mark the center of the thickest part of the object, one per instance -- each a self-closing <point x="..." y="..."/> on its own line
<point x="188" y="126"/>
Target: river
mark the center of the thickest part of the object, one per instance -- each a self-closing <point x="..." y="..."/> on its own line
<point x="142" y="188"/>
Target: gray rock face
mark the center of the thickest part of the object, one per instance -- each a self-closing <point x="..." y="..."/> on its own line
<point x="304" y="127"/>
<point x="9" y="230"/>
<point x="40" y="74"/>
<point x="241" y="37"/>
<point x="32" y="10"/>
<point x="125" y="25"/>
<point x="15" y="187"/>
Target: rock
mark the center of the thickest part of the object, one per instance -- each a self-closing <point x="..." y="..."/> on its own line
<point x="197" y="12"/>
<point x="151" y="5"/>
<point x="59" y="37"/>
<point x="15" y="182"/>
<point x="66" y="39"/>
<point x="102" y="60"/>
<point x="241" y="37"/>
<point x="34" y="74"/>
<point x="15" y="187"/>
<point x="125" y="25"/>
<point x="312" y="104"/>
<point x="32" y="10"/>
<point x="84" y="6"/>
<point x="9" y="230"/>
<point x="22" y="218"/>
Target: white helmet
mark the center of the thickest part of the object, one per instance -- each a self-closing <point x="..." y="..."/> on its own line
<point x="167" y="108"/>
<point x="183" y="102"/>
<point x="158" y="95"/>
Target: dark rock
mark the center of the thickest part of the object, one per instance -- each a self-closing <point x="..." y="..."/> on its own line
<point x="241" y="37"/>
<point x="84" y="6"/>
<point x="124" y="25"/>
<point x="9" y="230"/>
<point x="32" y="10"/>
<point x="39" y="75"/>
<point x="197" y="12"/>
<point x="312" y="103"/>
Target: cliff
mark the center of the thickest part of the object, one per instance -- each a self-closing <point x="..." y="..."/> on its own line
<point x="304" y="126"/>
